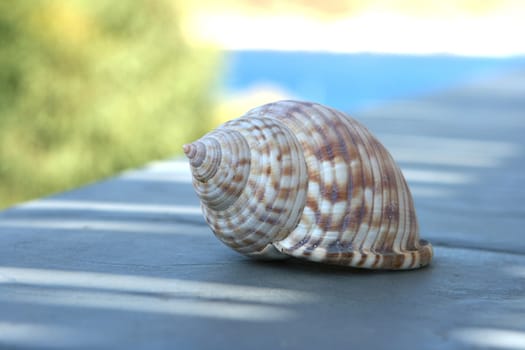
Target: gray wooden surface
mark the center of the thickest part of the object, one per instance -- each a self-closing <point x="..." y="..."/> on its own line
<point x="129" y="263"/>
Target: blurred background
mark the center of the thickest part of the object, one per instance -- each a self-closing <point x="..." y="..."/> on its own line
<point x="89" y="88"/>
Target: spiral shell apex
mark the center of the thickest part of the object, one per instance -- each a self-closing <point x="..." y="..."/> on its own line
<point x="301" y="179"/>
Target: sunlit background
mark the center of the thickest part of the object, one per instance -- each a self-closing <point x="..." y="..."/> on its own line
<point x="89" y="88"/>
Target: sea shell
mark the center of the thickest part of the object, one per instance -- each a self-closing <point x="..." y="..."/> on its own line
<point x="301" y="179"/>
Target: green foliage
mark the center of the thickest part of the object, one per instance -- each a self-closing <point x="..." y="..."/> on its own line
<point x="88" y="88"/>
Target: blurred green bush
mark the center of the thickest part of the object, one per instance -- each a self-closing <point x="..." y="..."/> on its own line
<point x="88" y="88"/>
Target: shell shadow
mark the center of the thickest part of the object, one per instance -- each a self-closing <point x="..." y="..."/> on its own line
<point x="299" y="266"/>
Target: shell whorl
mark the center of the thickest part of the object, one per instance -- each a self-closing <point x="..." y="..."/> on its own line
<point x="212" y="160"/>
<point x="259" y="186"/>
<point x="300" y="179"/>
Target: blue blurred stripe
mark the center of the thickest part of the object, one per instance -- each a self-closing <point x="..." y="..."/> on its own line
<point x="353" y="81"/>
